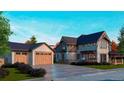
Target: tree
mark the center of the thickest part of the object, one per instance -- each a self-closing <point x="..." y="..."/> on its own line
<point x="121" y="40"/>
<point x="114" y="46"/>
<point x="32" y="40"/>
<point x="4" y="35"/>
<point x="27" y="42"/>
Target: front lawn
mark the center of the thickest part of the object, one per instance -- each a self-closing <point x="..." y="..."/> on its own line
<point x="106" y="66"/>
<point x="15" y="75"/>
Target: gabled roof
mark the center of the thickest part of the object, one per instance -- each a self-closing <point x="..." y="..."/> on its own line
<point x="14" y="46"/>
<point x="91" y="38"/>
<point x="69" y="40"/>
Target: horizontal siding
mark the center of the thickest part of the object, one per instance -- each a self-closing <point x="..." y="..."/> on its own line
<point x="86" y="48"/>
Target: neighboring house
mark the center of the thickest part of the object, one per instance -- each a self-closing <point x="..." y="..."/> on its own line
<point x="93" y="47"/>
<point x="52" y="46"/>
<point x="35" y="54"/>
<point x="66" y="50"/>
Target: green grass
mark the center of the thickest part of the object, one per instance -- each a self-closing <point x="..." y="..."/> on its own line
<point x="15" y="75"/>
<point x="106" y="66"/>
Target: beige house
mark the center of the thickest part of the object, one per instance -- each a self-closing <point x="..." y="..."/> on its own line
<point x="35" y="54"/>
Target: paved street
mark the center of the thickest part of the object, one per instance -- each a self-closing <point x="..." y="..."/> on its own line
<point x="61" y="72"/>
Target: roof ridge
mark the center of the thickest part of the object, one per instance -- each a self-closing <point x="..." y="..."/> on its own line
<point x="69" y="37"/>
<point x="96" y="33"/>
<point x="27" y="44"/>
<point x="90" y="34"/>
<point x="19" y="43"/>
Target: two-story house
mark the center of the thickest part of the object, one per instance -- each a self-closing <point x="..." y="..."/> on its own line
<point x="66" y="50"/>
<point x="93" y="47"/>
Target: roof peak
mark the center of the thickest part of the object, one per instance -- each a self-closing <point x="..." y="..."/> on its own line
<point x="69" y="40"/>
<point x="90" y="38"/>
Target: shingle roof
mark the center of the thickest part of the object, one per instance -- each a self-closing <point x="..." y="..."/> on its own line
<point x="14" y="46"/>
<point x="19" y="46"/>
<point x="91" y="38"/>
<point x="69" y="40"/>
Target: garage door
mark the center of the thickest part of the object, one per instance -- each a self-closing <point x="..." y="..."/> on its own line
<point x="43" y="58"/>
<point x="21" y="57"/>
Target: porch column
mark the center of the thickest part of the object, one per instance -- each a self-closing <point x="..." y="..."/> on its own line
<point x="115" y="61"/>
<point x="107" y="57"/>
<point x="122" y="61"/>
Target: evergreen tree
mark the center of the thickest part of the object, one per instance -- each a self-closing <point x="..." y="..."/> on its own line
<point x="121" y="40"/>
<point x="32" y="40"/>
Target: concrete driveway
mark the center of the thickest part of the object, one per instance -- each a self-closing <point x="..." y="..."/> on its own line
<point x="64" y="72"/>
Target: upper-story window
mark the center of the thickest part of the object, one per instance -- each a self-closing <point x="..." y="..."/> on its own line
<point x="103" y="44"/>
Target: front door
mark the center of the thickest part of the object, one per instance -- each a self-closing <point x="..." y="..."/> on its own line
<point x="103" y="58"/>
<point x="63" y="57"/>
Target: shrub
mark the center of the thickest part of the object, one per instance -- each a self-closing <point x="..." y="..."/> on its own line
<point x="7" y="66"/>
<point x="17" y="64"/>
<point x="73" y="63"/>
<point x="105" y="63"/>
<point x="24" y="68"/>
<point x="3" y="72"/>
<point x="38" y="72"/>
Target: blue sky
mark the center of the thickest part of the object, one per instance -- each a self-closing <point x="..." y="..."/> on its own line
<point x="51" y="26"/>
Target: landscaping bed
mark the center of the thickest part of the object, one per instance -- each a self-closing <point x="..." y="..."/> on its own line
<point x="15" y="75"/>
<point x="20" y="71"/>
<point x="98" y="65"/>
<point x="105" y="67"/>
<point x="88" y="63"/>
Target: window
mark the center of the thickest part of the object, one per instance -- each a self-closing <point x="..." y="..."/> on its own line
<point x="24" y="53"/>
<point x="18" y="53"/>
<point x="37" y="53"/>
<point x="103" y="44"/>
<point x="94" y="44"/>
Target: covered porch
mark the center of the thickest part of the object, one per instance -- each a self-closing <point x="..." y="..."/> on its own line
<point x="89" y="56"/>
<point x="116" y="58"/>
